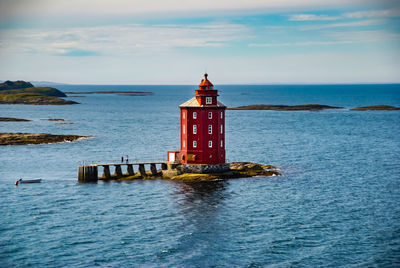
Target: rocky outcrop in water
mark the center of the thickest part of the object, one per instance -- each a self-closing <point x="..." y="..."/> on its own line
<point x="10" y="119"/>
<point x="28" y="138"/>
<point x="236" y="170"/>
<point x="376" y="108"/>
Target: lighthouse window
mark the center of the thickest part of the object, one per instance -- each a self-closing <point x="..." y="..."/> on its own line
<point x="208" y="100"/>
<point x="183" y="129"/>
<point x="183" y="115"/>
<point x="194" y="129"/>
<point x="222" y="115"/>
<point x="194" y="144"/>
<point x="210" y="144"/>
<point x="194" y="115"/>
<point x="184" y="143"/>
<point x="222" y="129"/>
<point x="222" y="143"/>
<point x="209" y="115"/>
<point x="209" y="129"/>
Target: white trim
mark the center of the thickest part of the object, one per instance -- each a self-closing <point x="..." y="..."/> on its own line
<point x="209" y="129"/>
<point x="194" y="129"/>
<point x="208" y="100"/>
<point x="209" y="115"/>
<point x="194" y="115"/>
<point x="194" y="144"/>
<point x="210" y="144"/>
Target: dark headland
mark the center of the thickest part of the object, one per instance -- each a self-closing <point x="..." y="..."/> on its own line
<point x="21" y="92"/>
<point x="303" y="107"/>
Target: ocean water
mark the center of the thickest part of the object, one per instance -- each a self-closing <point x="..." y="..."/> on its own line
<point x="336" y="205"/>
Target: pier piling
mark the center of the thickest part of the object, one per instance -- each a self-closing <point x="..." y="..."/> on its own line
<point x="87" y="173"/>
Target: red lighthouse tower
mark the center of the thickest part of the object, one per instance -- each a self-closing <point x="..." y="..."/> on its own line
<point x="203" y="127"/>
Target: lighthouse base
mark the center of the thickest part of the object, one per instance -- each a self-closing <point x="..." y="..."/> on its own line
<point x="204" y="168"/>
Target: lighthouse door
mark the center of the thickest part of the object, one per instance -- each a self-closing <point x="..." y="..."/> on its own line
<point x="171" y="157"/>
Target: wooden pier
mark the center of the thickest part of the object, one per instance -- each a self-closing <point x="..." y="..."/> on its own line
<point x="89" y="173"/>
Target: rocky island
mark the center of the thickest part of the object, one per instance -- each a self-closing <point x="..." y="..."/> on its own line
<point x="234" y="170"/>
<point x="376" y="108"/>
<point x="29" y="138"/>
<point x="10" y="119"/>
<point x="304" y="107"/>
<point x="21" y="92"/>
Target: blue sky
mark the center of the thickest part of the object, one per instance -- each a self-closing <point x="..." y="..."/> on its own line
<point x="174" y="42"/>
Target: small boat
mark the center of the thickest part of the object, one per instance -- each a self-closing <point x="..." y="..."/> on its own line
<point x="28" y="181"/>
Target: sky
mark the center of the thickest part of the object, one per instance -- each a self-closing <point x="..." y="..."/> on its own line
<point x="175" y="41"/>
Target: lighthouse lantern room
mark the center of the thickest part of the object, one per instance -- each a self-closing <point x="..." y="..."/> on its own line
<point x="202" y="127"/>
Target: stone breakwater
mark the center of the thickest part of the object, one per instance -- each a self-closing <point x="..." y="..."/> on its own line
<point x="180" y="172"/>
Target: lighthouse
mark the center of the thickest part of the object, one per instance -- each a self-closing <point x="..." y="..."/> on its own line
<point x="202" y="128"/>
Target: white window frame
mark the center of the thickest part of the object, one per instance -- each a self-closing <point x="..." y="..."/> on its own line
<point x="194" y="129"/>
<point x="183" y="115"/>
<point x="194" y="144"/>
<point x="184" y="143"/>
<point x="208" y="100"/>
<point x="194" y="115"/>
<point x="210" y="144"/>
<point x="209" y="115"/>
<point x="222" y="129"/>
<point x="183" y="130"/>
<point x="222" y="143"/>
<point x="222" y="115"/>
<point x="209" y="129"/>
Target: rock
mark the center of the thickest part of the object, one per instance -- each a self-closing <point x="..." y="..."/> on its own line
<point x="10" y="119"/>
<point x="28" y="138"/>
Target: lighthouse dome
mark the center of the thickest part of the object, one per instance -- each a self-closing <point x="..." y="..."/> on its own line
<point x="205" y="83"/>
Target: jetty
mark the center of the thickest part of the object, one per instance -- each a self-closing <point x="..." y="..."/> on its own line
<point x="89" y="173"/>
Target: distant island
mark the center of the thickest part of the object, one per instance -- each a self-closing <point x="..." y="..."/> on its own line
<point x="21" y="92"/>
<point x="29" y="138"/>
<point x="118" y="92"/>
<point x="304" y="107"/>
<point x="376" y="108"/>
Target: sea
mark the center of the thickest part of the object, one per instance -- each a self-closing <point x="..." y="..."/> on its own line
<point x="337" y="203"/>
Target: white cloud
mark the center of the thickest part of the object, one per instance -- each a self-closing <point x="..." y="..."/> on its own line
<point x="311" y="17"/>
<point x="361" y="23"/>
<point x="122" y="39"/>
<point x="373" y="13"/>
<point x="340" y="38"/>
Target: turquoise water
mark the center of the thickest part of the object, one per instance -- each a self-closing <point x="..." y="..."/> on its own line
<point x="337" y="203"/>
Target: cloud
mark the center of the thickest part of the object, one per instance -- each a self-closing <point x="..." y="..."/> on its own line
<point x="122" y="39"/>
<point x="373" y="13"/>
<point x="362" y="23"/>
<point x="311" y="17"/>
<point x="340" y="38"/>
<point x="145" y="8"/>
